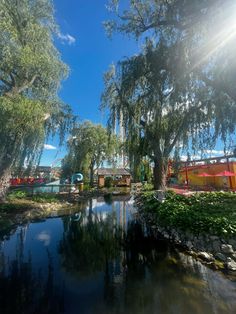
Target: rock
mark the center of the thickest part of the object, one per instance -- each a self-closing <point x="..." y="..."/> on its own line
<point x="233" y="243"/>
<point x="216" y="245"/>
<point x="189" y="235"/>
<point x="205" y="256"/>
<point x="176" y="237"/>
<point x="231" y="265"/>
<point x="200" y="245"/>
<point x="189" y="245"/>
<point x="213" y="238"/>
<point x="234" y="256"/>
<point x="221" y="257"/>
<point x="165" y="235"/>
<point x="227" y="249"/>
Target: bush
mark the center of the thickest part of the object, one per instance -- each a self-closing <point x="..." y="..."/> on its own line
<point x="16" y="195"/>
<point x="148" y="187"/>
<point x="44" y="198"/>
<point x="211" y="213"/>
<point x="108" y="182"/>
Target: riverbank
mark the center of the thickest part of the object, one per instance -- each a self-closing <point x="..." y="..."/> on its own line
<point x="21" y="208"/>
<point x="18" y="211"/>
<point x="203" y="224"/>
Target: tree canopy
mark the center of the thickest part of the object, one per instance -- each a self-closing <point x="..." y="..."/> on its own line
<point x="31" y="70"/>
<point x="205" y="28"/>
<point x="180" y="87"/>
<point x="89" y="146"/>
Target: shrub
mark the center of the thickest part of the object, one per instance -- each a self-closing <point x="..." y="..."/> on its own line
<point x="16" y="195"/>
<point x="44" y="198"/>
<point x="212" y="213"/>
<point x="148" y="187"/>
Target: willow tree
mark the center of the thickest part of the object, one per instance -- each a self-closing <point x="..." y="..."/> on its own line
<point x="90" y="146"/>
<point x="30" y="74"/>
<point x="183" y="83"/>
<point x="160" y="108"/>
<point x="206" y="28"/>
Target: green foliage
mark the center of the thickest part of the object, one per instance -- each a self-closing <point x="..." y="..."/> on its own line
<point x="44" y="198"/>
<point x="87" y="186"/>
<point x="148" y="187"/>
<point x="108" y="182"/>
<point x="16" y="195"/>
<point x="89" y="146"/>
<point x="160" y="106"/>
<point x="173" y="89"/>
<point x="38" y="198"/>
<point x="211" y="213"/>
<point x="30" y="74"/>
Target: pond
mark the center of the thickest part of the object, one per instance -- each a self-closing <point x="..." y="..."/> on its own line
<point x="101" y="260"/>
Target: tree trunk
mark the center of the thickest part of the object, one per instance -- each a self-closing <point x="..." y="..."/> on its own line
<point x="5" y="175"/>
<point x="160" y="173"/>
<point x="91" y="175"/>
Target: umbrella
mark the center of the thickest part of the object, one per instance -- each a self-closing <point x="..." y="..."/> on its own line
<point x="225" y="174"/>
<point x="204" y="174"/>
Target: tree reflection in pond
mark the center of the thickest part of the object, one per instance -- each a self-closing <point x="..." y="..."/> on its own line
<point x="23" y="291"/>
<point x="89" y="243"/>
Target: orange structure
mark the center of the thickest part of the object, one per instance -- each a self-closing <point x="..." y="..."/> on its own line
<point x="191" y="175"/>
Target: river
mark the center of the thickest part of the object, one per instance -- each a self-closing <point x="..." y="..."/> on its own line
<point x="101" y="260"/>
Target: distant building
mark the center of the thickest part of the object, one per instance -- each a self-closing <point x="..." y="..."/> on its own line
<point x="192" y="174"/>
<point x="120" y="176"/>
<point x="43" y="171"/>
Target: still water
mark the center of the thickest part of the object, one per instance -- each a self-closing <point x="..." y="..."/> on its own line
<point x="101" y="260"/>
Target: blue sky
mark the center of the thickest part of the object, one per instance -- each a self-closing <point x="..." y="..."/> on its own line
<point x="84" y="46"/>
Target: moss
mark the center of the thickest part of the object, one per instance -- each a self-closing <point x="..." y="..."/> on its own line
<point x="219" y="264"/>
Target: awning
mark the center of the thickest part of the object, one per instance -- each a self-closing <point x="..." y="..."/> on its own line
<point x="225" y="174"/>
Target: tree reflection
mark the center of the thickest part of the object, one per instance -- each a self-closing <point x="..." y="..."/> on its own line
<point x="23" y="291"/>
<point x="90" y="242"/>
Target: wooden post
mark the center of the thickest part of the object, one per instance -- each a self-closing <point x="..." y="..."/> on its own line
<point x="230" y="179"/>
<point x="186" y="174"/>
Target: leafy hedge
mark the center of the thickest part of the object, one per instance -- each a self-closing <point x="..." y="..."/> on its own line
<point x="211" y="213"/>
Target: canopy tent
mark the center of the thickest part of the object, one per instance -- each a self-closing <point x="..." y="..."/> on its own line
<point x="205" y="175"/>
<point x="226" y="174"/>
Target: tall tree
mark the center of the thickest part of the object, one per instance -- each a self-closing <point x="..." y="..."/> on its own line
<point x="30" y="74"/>
<point x="162" y="103"/>
<point x="175" y="89"/>
<point x="89" y="146"/>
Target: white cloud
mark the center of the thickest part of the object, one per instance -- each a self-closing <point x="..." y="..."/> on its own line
<point x="193" y="157"/>
<point x="66" y="38"/>
<point x="215" y="153"/>
<point x="183" y="158"/>
<point x="44" y="237"/>
<point x="49" y="147"/>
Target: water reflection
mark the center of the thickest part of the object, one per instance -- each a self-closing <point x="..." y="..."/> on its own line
<point x="24" y="291"/>
<point x="89" y="242"/>
<point x="99" y="260"/>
